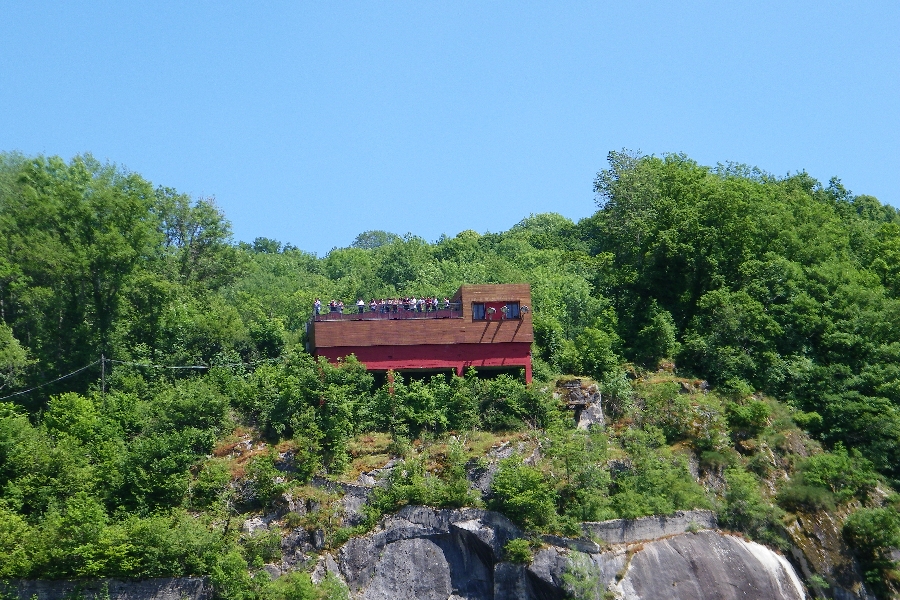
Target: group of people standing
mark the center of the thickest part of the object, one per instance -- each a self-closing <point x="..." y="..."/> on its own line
<point x="394" y="304"/>
<point x="387" y="305"/>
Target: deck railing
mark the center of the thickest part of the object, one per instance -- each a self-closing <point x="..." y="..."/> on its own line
<point x="393" y="311"/>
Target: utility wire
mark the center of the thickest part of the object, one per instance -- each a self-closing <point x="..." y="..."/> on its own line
<point x="135" y="364"/>
<point x="152" y="366"/>
<point x="37" y="387"/>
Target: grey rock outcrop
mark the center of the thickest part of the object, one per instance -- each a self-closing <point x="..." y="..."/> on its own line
<point x="590" y="415"/>
<point x="480" y="473"/>
<point x="353" y="498"/>
<point x="426" y="553"/>
<point x="432" y="554"/>
<point x="708" y="565"/>
<point x="585" y="399"/>
<point x="254" y="524"/>
<point x="166" y="588"/>
<point x="625" y="531"/>
<point x="458" y="554"/>
<point x="818" y="547"/>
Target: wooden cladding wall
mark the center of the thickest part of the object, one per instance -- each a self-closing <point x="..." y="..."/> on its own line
<point x="436" y="356"/>
<point x="414" y="332"/>
<point x="502" y="292"/>
<point x="330" y="334"/>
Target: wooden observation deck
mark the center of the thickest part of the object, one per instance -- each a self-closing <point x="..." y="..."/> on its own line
<point x="488" y="327"/>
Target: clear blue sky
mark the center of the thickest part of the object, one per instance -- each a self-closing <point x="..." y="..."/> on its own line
<point x="311" y="122"/>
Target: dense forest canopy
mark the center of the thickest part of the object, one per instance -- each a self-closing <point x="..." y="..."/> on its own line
<point x="753" y="282"/>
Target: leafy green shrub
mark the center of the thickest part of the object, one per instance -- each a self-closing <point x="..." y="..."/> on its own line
<point x="294" y="585"/>
<point x="618" y="395"/>
<point x="826" y="479"/>
<point x="230" y="577"/>
<point x="808" y="421"/>
<point x="582" y="578"/>
<point x="16" y="545"/>
<point x="456" y="492"/>
<point x="211" y="482"/>
<point x="77" y="539"/>
<point x="266" y="482"/>
<point x="411" y="408"/>
<point x="708" y="429"/>
<point x="74" y="415"/>
<point x="745" y="510"/>
<point x="155" y="474"/>
<point x="751" y="416"/>
<point x="261" y="546"/>
<point x="795" y="495"/>
<point x="583" y="479"/>
<point x="517" y="551"/>
<point x="524" y="494"/>
<point x="192" y="403"/>
<point x="714" y="461"/>
<point x="846" y="475"/>
<point x="680" y="416"/>
<point x="506" y="404"/>
<point x="873" y="532"/>
<point x="409" y="482"/>
<point x="299" y="586"/>
<point x="337" y="537"/>
<point x="658" y="338"/>
<point x="665" y="408"/>
<point x="657" y="482"/>
<point x="268" y="335"/>
<point x="168" y="545"/>
<point x="461" y="404"/>
<point x="817" y="581"/>
<point x="597" y="352"/>
<point x="293" y="519"/>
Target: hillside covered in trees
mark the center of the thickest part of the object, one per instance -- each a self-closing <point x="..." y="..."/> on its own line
<point x="178" y="344"/>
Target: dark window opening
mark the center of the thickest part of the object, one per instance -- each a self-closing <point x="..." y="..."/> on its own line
<point x="477" y="311"/>
<point x="495" y="310"/>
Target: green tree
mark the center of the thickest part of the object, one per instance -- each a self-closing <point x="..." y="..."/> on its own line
<point x="525" y="494"/>
<point x="13" y="358"/>
<point x="731" y="337"/>
<point x="76" y="233"/>
<point x="658" y="338"/>
<point x="746" y="510"/>
<point x="873" y="532"/>
<point x="197" y="238"/>
<point x="16" y="545"/>
<point x="369" y="240"/>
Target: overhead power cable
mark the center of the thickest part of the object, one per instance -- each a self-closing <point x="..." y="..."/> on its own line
<point x="135" y="364"/>
<point x="37" y="387"/>
<point x="152" y="366"/>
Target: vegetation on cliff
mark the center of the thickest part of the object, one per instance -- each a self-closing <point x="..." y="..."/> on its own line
<point x="182" y="345"/>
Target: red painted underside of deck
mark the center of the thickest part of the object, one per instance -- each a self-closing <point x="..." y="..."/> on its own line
<point x="436" y="356"/>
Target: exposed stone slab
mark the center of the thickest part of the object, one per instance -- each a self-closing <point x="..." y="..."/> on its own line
<point x="627" y="531"/>
<point x="458" y="554"/>
<point x="709" y="565"/>
<point x="163" y="588"/>
<point x="410" y="568"/>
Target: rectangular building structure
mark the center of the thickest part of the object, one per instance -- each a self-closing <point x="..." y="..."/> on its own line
<point x="489" y="328"/>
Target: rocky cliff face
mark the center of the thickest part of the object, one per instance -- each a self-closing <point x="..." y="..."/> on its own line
<point x="428" y="554"/>
<point x="458" y="554"/>
<point x="165" y="588"/>
<point x="708" y="564"/>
